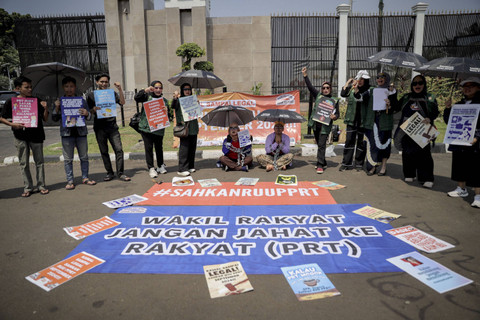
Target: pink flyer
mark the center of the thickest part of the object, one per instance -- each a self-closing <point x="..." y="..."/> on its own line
<point x="25" y="111"/>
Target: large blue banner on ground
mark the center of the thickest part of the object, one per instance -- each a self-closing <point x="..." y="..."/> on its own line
<point x="181" y="240"/>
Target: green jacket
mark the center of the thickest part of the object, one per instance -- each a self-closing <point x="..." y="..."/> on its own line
<point x="432" y="106"/>
<point x="192" y="125"/>
<point x="368" y="115"/>
<point x="311" y="123"/>
<point x="350" y="114"/>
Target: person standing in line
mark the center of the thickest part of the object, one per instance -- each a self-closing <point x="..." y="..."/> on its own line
<point x="277" y="148"/>
<point x="27" y="139"/>
<point x="378" y="124"/>
<point x="74" y="137"/>
<point x="234" y="157"/>
<point x="466" y="159"/>
<point x="155" y="138"/>
<point x="354" y="143"/>
<point x="188" y="144"/>
<point x="106" y="130"/>
<point x="417" y="161"/>
<point x="321" y="131"/>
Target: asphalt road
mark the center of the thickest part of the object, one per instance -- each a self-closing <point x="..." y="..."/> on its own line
<point x="32" y="238"/>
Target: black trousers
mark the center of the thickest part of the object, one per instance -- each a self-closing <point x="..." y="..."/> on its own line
<point x="322" y="146"/>
<point x="186" y="154"/>
<point x="354" y="144"/>
<point x="103" y="137"/>
<point x="418" y="162"/>
<point x="151" y="140"/>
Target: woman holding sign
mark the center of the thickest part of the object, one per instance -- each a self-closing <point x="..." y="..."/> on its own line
<point x="235" y="157"/>
<point x="378" y="106"/>
<point x="73" y="133"/>
<point x="149" y="126"/>
<point x="466" y="159"/>
<point x="188" y="144"/>
<point x="325" y="111"/>
<point x="417" y="161"/>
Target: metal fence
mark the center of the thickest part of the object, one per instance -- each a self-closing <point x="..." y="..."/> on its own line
<point x="78" y="41"/>
<point x="312" y="41"/>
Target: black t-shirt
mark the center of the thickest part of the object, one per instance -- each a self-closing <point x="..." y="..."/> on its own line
<point x="37" y="134"/>
<point x="104" y="123"/>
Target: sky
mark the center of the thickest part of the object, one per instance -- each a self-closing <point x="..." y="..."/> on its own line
<point x="230" y="8"/>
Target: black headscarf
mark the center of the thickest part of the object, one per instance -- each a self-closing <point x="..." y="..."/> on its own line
<point x="366" y="85"/>
<point x="183" y="86"/>
<point x="423" y="93"/>
<point x="387" y="80"/>
<point x="152" y="84"/>
<point x="331" y="89"/>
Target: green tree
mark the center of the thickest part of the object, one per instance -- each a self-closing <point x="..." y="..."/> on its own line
<point x="203" y="65"/>
<point x="188" y="51"/>
<point x="9" y="58"/>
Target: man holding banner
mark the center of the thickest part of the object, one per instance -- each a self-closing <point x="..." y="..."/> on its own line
<point x="27" y="115"/>
<point x="155" y="117"/>
<point x="465" y="156"/>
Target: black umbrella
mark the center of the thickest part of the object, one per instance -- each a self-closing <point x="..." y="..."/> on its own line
<point x="282" y="115"/>
<point x="197" y="79"/>
<point x="451" y="67"/>
<point x="47" y="78"/>
<point x="223" y="116"/>
<point x="398" y="59"/>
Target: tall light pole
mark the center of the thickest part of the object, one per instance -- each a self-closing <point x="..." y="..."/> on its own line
<point x="8" y="74"/>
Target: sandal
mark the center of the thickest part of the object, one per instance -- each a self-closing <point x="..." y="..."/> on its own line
<point x="108" y="177"/>
<point x="44" y="191"/>
<point x="70" y="186"/>
<point x="124" y="178"/>
<point x="89" y="182"/>
<point x="26" y="194"/>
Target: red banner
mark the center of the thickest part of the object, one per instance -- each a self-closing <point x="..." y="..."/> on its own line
<point x="229" y="194"/>
<point x="210" y="135"/>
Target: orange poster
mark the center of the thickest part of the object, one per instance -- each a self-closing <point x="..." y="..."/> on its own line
<point x="92" y="227"/>
<point x="157" y="114"/>
<point x="211" y="135"/>
<point x="229" y="194"/>
<point x="65" y="270"/>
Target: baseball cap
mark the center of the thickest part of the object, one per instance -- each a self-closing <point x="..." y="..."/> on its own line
<point x="362" y="74"/>
<point x="471" y="79"/>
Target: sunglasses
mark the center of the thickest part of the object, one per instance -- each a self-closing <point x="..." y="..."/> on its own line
<point x="157" y="87"/>
<point x="381" y="77"/>
<point x="418" y="83"/>
<point x="323" y="88"/>
<point x="187" y="89"/>
<point x="234" y="128"/>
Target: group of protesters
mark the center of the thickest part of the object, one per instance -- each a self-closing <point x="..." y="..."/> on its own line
<point x="367" y="145"/>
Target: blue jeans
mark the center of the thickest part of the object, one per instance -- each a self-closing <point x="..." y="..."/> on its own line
<point x="69" y="144"/>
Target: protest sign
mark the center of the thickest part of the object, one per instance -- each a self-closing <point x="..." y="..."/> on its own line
<point x="431" y="273"/>
<point x="105" y="100"/>
<point x="70" y="108"/>
<point x="286" y="180"/>
<point x="226" y="279"/>
<point x="325" y="107"/>
<point x="191" y="109"/>
<point x="206" y="183"/>
<point x="247" y="181"/>
<point x="420" y="132"/>
<point x="125" y="201"/>
<point x="461" y="124"/>
<point x="25" y="111"/>
<point x="181" y="240"/>
<point x="244" y="138"/>
<point x="379" y="97"/>
<point x="182" y="181"/>
<point x="377" y="214"/>
<point x="65" y="270"/>
<point x="229" y="193"/>
<point x="213" y="135"/>
<point x="309" y="282"/>
<point x="157" y="114"/>
<point x="328" y="185"/>
<point x="92" y="227"/>
<point x="419" y="239"/>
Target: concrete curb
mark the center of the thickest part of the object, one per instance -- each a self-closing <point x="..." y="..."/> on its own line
<point x="215" y="154"/>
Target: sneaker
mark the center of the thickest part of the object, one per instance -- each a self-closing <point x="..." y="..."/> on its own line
<point x="183" y="173"/>
<point x="245" y="168"/>
<point x="428" y="185"/>
<point x="319" y="170"/>
<point x="409" y="179"/>
<point x="152" y="173"/>
<point x="476" y="202"/>
<point x="192" y="170"/>
<point x="458" y="193"/>
<point x="342" y="168"/>
<point x="162" y="169"/>
<point x="226" y="168"/>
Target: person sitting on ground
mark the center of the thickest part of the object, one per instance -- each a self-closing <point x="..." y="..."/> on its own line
<point x="277" y="148"/>
<point x="466" y="159"/>
<point x="234" y="157"/>
<point x="74" y="136"/>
